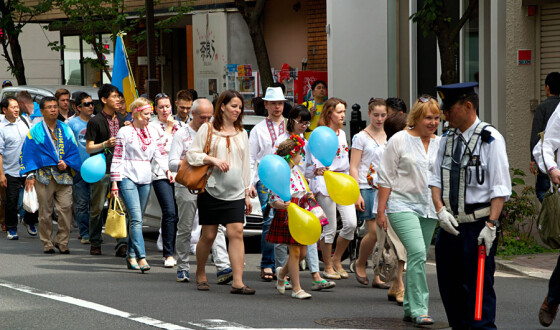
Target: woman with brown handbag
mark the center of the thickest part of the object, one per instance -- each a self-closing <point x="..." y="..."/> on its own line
<point x="225" y="200"/>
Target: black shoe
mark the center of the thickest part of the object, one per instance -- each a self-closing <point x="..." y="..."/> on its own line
<point x="49" y="251"/>
<point x="95" y="250"/>
<point x="121" y="251"/>
<point x="62" y="251"/>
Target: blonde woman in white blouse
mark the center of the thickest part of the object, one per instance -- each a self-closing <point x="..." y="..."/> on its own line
<point x="332" y="116"/>
<point x="131" y="174"/>
<point x="404" y="174"/>
<point x="226" y="197"/>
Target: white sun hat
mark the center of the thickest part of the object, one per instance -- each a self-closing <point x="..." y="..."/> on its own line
<point x="274" y="94"/>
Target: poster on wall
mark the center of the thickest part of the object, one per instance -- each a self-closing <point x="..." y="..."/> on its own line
<point x="209" y="53"/>
<point x="302" y="85"/>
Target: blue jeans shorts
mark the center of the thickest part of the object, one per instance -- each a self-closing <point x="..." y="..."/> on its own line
<point x="369" y="196"/>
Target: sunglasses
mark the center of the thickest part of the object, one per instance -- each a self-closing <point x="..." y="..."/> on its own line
<point x="87" y="104"/>
<point x="425" y="99"/>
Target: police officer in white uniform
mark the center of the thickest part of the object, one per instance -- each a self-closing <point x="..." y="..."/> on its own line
<point x="470" y="184"/>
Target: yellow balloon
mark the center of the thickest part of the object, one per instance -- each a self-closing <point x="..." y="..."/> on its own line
<point x="304" y="226"/>
<point x="342" y="188"/>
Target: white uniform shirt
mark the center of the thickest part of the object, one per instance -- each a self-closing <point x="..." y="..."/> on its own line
<point x="163" y="138"/>
<point x="341" y="163"/>
<point x="406" y="168"/>
<point x="261" y="144"/>
<point x="362" y="141"/>
<point x="182" y="141"/>
<point x="497" y="181"/>
<point x="228" y="185"/>
<point x="12" y="136"/>
<point x="550" y="144"/>
<point x="130" y="161"/>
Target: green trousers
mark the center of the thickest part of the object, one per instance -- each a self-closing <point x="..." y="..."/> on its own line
<point x="416" y="234"/>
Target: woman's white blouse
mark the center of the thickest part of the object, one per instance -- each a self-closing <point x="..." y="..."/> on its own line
<point x="164" y="138"/>
<point x="362" y="141"/>
<point x="341" y="163"/>
<point x="130" y="161"/>
<point x="234" y="149"/>
<point x="406" y="169"/>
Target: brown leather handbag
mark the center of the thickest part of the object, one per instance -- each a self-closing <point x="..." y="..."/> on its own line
<point x="195" y="177"/>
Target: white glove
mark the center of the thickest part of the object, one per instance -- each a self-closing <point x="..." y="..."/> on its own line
<point x="447" y="221"/>
<point x="487" y="236"/>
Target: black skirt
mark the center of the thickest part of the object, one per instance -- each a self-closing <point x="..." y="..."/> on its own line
<point x="213" y="211"/>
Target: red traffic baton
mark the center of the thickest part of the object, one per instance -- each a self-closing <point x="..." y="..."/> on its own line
<point x="479" y="282"/>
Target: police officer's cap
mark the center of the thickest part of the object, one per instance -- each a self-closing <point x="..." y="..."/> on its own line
<point x="452" y="93"/>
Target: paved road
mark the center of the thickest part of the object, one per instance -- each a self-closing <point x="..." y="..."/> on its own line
<point x="82" y="291"/>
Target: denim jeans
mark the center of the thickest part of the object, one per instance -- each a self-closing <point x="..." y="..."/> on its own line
<point x="135" y="197"/>
<point x="165" y="195"/>
<point x="82" y="194"/>
<point x="267" y="249"/>
<point x="542" y="185"/>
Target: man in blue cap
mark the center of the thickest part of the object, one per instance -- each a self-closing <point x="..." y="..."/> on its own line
<point x="470" y="184"/>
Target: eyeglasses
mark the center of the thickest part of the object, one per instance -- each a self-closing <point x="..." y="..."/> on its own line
<point x="425" y="99"/>
<point x="302" y="123"/>
<point x="87" y="104"/>
<point x="161" y="96"/>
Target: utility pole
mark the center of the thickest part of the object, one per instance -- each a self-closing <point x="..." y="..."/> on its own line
<point x="153" y="83"/>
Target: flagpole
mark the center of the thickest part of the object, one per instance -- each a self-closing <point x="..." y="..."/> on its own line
<point x="130" y="75"/>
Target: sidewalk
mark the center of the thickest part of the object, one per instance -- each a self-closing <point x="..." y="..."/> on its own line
<point x="533" y="265"/>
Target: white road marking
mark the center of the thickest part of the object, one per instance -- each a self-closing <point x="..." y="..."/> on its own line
<point x="93" y="306"/>
<point x="217" y="324"/>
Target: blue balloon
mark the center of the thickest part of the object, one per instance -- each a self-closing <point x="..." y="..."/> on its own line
<point x="323" y="144"/>
<point x="274" y="173"/>
<point x="93" y="168"/>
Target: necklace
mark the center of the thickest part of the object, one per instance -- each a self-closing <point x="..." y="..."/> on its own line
<point x="144" y="136"/>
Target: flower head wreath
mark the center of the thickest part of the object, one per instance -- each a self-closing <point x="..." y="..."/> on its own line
<point x="300" y="143"/>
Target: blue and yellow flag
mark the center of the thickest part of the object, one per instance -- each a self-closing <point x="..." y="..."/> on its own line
<point x="122" y="77"/>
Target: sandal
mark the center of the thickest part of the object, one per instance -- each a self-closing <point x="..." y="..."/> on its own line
<point x="202" y="286"/>
<point x="266" y="276"/>
<point x="244" y="290"/>
<point x="301" y="295"/>
<point x="322" y="284"/>
<point x="281" y="288"/>
<point x="423" y="320"/>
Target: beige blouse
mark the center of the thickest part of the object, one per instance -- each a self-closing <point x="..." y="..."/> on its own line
<point x="234" y="149"/>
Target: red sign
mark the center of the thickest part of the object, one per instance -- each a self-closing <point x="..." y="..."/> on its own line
<point x="302" y="85"/>
<point x="523" y="57"/>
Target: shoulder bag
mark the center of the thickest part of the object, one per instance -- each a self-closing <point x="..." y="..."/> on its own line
<point x="548" y="222"/>
<point x="195" y="177"/>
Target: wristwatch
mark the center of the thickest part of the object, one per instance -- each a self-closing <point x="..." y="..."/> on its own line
<point x="495" y="223"/>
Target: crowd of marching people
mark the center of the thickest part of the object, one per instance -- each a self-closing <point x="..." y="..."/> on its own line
<point x="409" y="177"/>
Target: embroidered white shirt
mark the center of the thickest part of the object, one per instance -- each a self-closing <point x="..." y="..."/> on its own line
<point x="341" y="163"/>
<point x="297" y="186"/>
<point x="228" y="185"/>
<point x="261" y="144"/>
<point x="130" y="161"/>
<point x="163" y="138"/>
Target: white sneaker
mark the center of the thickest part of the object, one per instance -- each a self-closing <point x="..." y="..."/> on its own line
<point x="170" y="262"/>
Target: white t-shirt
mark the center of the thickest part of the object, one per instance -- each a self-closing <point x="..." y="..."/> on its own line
<point x="362" y="141"/>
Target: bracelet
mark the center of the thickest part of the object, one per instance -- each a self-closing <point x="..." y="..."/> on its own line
<point x="114" y="189"/>
<point x="103" y="145"/>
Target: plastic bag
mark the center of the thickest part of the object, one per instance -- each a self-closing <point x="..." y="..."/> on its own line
<point x="30" y="201"/>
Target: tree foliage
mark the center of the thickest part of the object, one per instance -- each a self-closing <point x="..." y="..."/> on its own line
<point x="90" y="18"/>
<point x="254" y="18"/>
<point x="14" y="15"/>
<point x="433" y="18"/>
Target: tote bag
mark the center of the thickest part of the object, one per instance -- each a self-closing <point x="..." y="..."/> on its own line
<point x="115" y="226"/>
